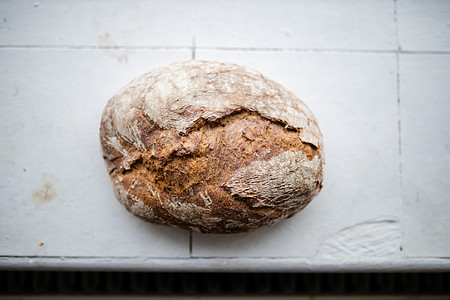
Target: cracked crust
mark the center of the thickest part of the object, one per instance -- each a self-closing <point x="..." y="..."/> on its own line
<point x="211" y="147"/>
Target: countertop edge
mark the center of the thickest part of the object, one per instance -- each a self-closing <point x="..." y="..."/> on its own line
<point x="197" y="264"/>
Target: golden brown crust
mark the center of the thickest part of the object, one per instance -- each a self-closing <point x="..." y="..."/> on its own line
<point x="193" y="168"/>
<point x="196" y="179"/>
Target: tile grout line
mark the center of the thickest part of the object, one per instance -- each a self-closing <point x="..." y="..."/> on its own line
<point x="397" y="59"/>
<point x="190" y="243"/>
<point x="193" y="49"/>
<point x="91" y="47"/>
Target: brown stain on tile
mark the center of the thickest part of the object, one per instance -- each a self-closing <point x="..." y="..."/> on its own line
<point x="16" y="92"/>
<point x="106" y="43"/>
<point x="45" y="194"/>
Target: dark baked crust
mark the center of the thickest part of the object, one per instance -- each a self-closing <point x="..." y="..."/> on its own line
<point x="185" y="179"/>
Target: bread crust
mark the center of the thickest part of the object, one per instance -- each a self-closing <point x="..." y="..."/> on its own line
<point x="211" y="147"/>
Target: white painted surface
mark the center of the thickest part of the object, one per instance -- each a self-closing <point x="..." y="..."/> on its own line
<point x="425" y="110"/>
<point x="424" y="25"/>
<point x="55" y="188"/>
<point x="96" y="23"/>
<point x="361" y="150"/>
<point x="355" y="24"/>
<point x="60" y="61"/>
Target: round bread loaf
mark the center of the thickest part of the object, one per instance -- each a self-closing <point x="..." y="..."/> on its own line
<point x="212" y="147"/>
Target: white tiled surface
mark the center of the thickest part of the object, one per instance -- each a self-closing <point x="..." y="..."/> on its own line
<point x="361" y="142"/>
<point x="355" y="24"/>
<point x="54" y="187"/>
<point x="385" y="201"/>
<point x="424" y="25"/>
<point x="425" y="111"/>
<point x="96" y="23"/>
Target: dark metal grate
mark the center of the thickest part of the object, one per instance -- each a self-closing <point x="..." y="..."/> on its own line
<point x="224" y="283"/>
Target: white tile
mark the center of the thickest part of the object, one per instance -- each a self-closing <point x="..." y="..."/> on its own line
<point x="355" y="24"/>
<point x="96" y="23"/>
<point x="354" y="97"/>
<point x="424" y="25"/>
<point x="55" y="188"/>
<point x="425" y="111"/>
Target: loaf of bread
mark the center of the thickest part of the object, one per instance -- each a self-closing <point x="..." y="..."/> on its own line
<point x="211" y="147"/>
